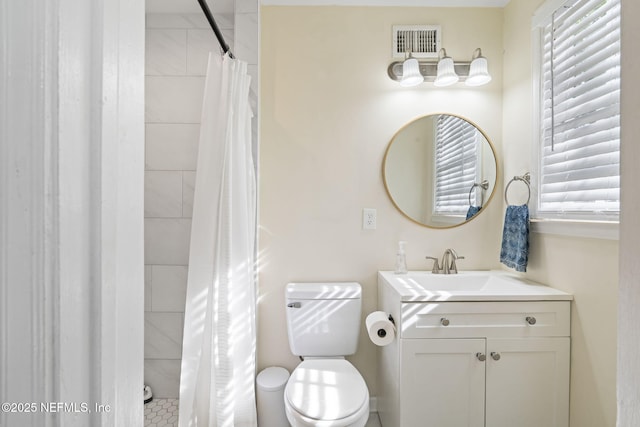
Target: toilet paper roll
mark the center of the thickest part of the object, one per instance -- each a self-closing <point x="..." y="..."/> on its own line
<point x="380" y="329"/>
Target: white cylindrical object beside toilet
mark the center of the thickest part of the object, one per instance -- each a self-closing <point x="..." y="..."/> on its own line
<point x="380" y="329"/>
<point x="270" y="384"/>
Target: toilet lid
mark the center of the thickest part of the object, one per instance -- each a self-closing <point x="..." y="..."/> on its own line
<point x="326" y="389"/>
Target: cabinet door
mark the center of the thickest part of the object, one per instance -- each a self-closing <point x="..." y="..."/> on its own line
<point x="442" y="383"/>
<point x="528" y="384"/>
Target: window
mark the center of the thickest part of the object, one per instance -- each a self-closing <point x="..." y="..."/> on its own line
<point x="456" y="165"/>
<point x="579" y="103"/>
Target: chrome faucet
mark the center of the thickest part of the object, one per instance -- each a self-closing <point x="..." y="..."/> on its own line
<point x="448" y="263"/>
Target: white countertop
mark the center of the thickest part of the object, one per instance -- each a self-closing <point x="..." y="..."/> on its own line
<point x="487" y="285"/>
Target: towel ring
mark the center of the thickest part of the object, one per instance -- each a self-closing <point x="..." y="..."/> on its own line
<point x="526" y="178"/>
<point x="484" y="185"/>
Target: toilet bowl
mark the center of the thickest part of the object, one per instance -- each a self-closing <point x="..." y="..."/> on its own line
<point x="323" y="324"/>
<point x="326" y="392"/>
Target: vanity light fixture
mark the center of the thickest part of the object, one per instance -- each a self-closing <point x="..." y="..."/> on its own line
<point x="478" y="70"/>
<point x="443" y="72"/>
<point x="411" y="72"/>
<point x="410" y="69"/>
<point x="446" y="74"/>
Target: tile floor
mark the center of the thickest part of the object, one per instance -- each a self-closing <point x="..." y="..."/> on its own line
<point x="164" y="413"/>
<point x="161" y="413"/>
<point x="373" y="421"/>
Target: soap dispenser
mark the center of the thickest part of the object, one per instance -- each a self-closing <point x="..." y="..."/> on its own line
<point x="401" y="259"/>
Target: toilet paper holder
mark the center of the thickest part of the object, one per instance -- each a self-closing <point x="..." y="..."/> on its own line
<point x="381" y="332"/>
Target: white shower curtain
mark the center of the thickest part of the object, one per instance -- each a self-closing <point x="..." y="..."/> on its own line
<point x="218" y="353"/>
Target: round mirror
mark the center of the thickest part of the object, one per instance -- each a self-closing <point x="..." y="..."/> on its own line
<point x="440" y="170"/>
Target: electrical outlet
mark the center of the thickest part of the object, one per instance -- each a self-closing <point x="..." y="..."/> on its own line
<point x="368" y="219"/>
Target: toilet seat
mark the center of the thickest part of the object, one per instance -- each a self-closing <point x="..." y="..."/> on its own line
<point x="327" y="392"/>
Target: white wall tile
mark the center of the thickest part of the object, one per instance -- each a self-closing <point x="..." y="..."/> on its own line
<point x="229" y="37"/>
<point x="166" y="52"/>
<point x="163" y="376"/>
<point x="246" y="6"/>
<point x="172" y="20"/>
<point x="173" y="99"/>
<point x="163" y="194"/>
<point x="171" y="146"/>
<point x="188" y="188"/>
<point x="246" y="40"/>
<point x="166" y="241"/>
<point x="147" y="288"/>
<point x="225" y="21"/>
<point x="163" y="335"/>
<point x="169" y="287"/>
<point x="188" y="20"/>
<point x="199" y="44"/>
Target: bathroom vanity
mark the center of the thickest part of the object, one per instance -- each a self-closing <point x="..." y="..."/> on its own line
<point x="474" y="349"/>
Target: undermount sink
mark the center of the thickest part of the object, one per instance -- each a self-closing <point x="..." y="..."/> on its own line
<point x="468" y="286"/>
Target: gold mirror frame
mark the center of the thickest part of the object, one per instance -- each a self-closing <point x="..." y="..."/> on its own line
<point x="403" y="211"/>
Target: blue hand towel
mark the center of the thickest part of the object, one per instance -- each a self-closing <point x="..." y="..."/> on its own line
<point x="515" y="238"/>
<point x="472" y="211"/>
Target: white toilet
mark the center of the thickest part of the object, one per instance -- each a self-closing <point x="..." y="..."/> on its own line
<point x="323" y="322"/>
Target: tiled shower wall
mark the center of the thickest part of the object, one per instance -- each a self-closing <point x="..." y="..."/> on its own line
<point x="177" y="48"/>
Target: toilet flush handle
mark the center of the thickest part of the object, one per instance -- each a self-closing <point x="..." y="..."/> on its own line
<point x="294" y="305"/>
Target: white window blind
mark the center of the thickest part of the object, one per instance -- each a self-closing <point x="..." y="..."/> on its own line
<point x="456" y="165"/>
<point x="580" y="117"/>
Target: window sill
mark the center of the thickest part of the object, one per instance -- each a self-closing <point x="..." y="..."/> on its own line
<point x="452" y="219"/>
<point x="607" y="230"/>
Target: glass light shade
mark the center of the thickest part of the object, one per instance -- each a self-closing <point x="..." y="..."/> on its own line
<point x="446" y="73"/>
<point x="478" y="72"/>
<point x="411" y="73"/>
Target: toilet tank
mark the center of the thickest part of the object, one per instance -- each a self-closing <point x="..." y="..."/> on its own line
<point x="323" y="319"/>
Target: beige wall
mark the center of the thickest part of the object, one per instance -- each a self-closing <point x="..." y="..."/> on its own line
<point x="328" y="111"/>
<point x="587" y="268"/>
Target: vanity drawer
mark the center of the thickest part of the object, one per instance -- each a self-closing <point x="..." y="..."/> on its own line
<point x="485" y="319"/>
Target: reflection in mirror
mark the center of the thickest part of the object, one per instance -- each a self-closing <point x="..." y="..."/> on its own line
<point x="440" y="170"/>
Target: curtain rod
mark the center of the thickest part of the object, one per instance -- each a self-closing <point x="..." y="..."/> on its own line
<point x="214" y="27"/>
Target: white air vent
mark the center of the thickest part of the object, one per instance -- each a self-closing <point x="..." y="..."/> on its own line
<point x="422" y="40"/>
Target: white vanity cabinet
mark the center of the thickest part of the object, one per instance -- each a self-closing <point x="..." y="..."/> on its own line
<point x="441" y="383"/>
<point x="475" y="363"/>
